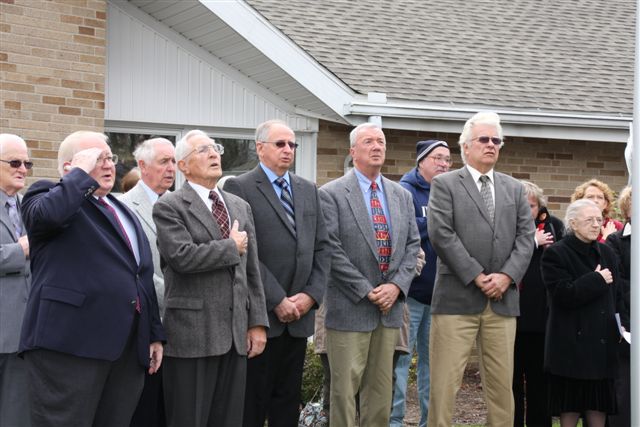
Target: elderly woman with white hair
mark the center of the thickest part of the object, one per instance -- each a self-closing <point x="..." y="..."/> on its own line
<point x="581" y="276"/>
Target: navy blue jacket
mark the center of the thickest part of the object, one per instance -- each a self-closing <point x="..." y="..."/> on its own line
<point x="422" y="286"/>
<point x="85" y="277"/>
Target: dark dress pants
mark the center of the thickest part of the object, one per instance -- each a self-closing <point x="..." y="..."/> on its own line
<point x="67" y="390"/>
<point x="274" y="381"/>
<point x="150" y="409"/>
<point x="529" y="381"/>
<point x="204" y="391"/>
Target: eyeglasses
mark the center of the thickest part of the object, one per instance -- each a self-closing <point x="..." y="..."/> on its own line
<point x="17" y="163"/>
<point x="441" y="159"/>
<point x="112" y="158"/>
<point x="592" y="220"/>
<point x="496" y="140"/>
<point x="281" y="144"/>
<point x="202" y="149"/>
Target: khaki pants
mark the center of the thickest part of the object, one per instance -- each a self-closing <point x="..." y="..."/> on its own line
<point x="361" y="361"/>
<point x="450" y="343"/>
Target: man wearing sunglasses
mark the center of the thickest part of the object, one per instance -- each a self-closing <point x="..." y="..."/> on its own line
<point x="294" y="262"/>
<point x="481" y="228"/>
<point x="91" y="328"/>
<point x="15" y="280"/>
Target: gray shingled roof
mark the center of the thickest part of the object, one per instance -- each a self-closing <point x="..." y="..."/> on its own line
<point x="562" y="55"/>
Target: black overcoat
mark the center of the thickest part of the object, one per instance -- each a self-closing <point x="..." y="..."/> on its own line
<point x="581" y="335"/>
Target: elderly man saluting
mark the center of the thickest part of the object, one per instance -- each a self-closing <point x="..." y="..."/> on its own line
<point x="91" y="326"/>
<point x="215" y="308"/>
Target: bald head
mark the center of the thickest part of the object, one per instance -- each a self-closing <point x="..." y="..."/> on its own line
<point x="12" y="179"/>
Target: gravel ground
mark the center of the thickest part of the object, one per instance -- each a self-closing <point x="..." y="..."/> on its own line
<point x="470" y="407"/>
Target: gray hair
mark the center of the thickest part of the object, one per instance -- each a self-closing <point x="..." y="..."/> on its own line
<point x="488" y="118"/>
<point x="263" y="129"/>
<point x="146" y="150"/>
<point x="69" y="146"/>
<point x="574" y="210"/>
<point x="353" y="136"/>
<point x="9" y="137"/>
<point x="182" y="146"/>
<point x="532" y="189"/>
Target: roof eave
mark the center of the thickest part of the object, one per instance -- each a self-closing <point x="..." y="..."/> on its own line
<point x="522" y="123"/>
<point x="280" y="49"/>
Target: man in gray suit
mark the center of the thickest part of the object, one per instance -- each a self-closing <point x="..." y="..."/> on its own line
<point x="157" y="163"/>
<point x="480" y="225"/>
<point x="375" y="243"/>
<point x="294" y="263"/>
<point x="15" y="281"/>
<point x="215" y="315"/>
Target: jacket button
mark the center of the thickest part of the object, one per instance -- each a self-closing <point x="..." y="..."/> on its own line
<point x="579" y="332"/>
<point x="603" y="341"/>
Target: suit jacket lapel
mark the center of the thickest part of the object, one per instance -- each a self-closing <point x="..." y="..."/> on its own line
<point x="115" y="225"/>
<point x="266" y="188"/>
<point x="298" y="199"/>
<point x="4" y="216"/>
<point x="144" y="207"/>
<point x="361" y="212"/>
<point x="472" y="190"/>
<point x="394" y="205"/>
<point x="199" y="210"/>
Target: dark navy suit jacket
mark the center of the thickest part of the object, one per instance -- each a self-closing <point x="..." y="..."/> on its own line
<point x="85" y="279"/>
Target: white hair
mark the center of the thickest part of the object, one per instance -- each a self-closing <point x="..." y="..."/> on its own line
<point x="488" y="118"/>
<point x="69" y="146"/>
<point x="146" y="150"/>
<point x="353" y="136"/>
<point x="263" y="129"/>
<point x="182" y="146"/>
<point x="5" y="138"/>
<point x="574" y="210"/>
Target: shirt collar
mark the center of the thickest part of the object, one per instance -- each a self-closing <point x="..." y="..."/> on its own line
<point x="153" y="196"/>
<point x="364" y="182"/>
<point x="476" y="174"/>
<point x="626" y="231"/>
<point x="272" y="176"/>
<point x="203" y="191"/>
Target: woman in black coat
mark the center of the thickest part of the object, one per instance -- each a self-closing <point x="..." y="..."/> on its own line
<point x="581" y="340"/>
<point x="620" y="242"/>
<point x="529" y="381"/>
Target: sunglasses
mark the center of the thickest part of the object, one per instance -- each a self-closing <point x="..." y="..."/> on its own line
<point x="281" y="144"/>
<point x="496" y="140"/>
<point x="17" y="163"/>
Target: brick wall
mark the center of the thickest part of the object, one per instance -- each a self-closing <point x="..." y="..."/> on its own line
<point x="52" y="66"/>
<point x="555" y="165"/>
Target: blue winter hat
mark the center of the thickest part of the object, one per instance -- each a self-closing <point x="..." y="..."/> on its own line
<point x="423" y="148"/>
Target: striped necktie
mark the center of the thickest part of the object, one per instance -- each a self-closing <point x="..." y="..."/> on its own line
<point x="287" y="201"/>
<point x="14" y="216"/>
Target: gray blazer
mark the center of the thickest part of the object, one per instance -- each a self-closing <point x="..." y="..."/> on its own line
<point x="467" y="243"/>
<point x="212" y="294"/>
<point x="15" y="282"/>
<point x="137" y="200"/>
<point x="289" y="262"/>
<point x="354" y="269"/>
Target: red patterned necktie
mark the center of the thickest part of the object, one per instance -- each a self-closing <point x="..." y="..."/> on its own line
<point x="220" y="214"/>
<point x="381" y="228"/>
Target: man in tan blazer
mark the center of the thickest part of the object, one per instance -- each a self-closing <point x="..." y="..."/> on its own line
<point x="215" y="314"/>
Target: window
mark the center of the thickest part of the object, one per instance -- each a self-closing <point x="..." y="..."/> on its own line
<point x="123" y="145"/>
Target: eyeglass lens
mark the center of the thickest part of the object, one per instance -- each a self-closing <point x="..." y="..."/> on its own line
<point x="17" y="163"/>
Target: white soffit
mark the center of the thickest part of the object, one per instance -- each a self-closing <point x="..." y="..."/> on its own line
<point x="241" y="38"/>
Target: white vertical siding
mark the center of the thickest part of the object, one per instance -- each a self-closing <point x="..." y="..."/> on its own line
<point x="154" y="75"/>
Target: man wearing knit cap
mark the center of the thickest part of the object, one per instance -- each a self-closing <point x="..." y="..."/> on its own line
<point x="433" y="158"/>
